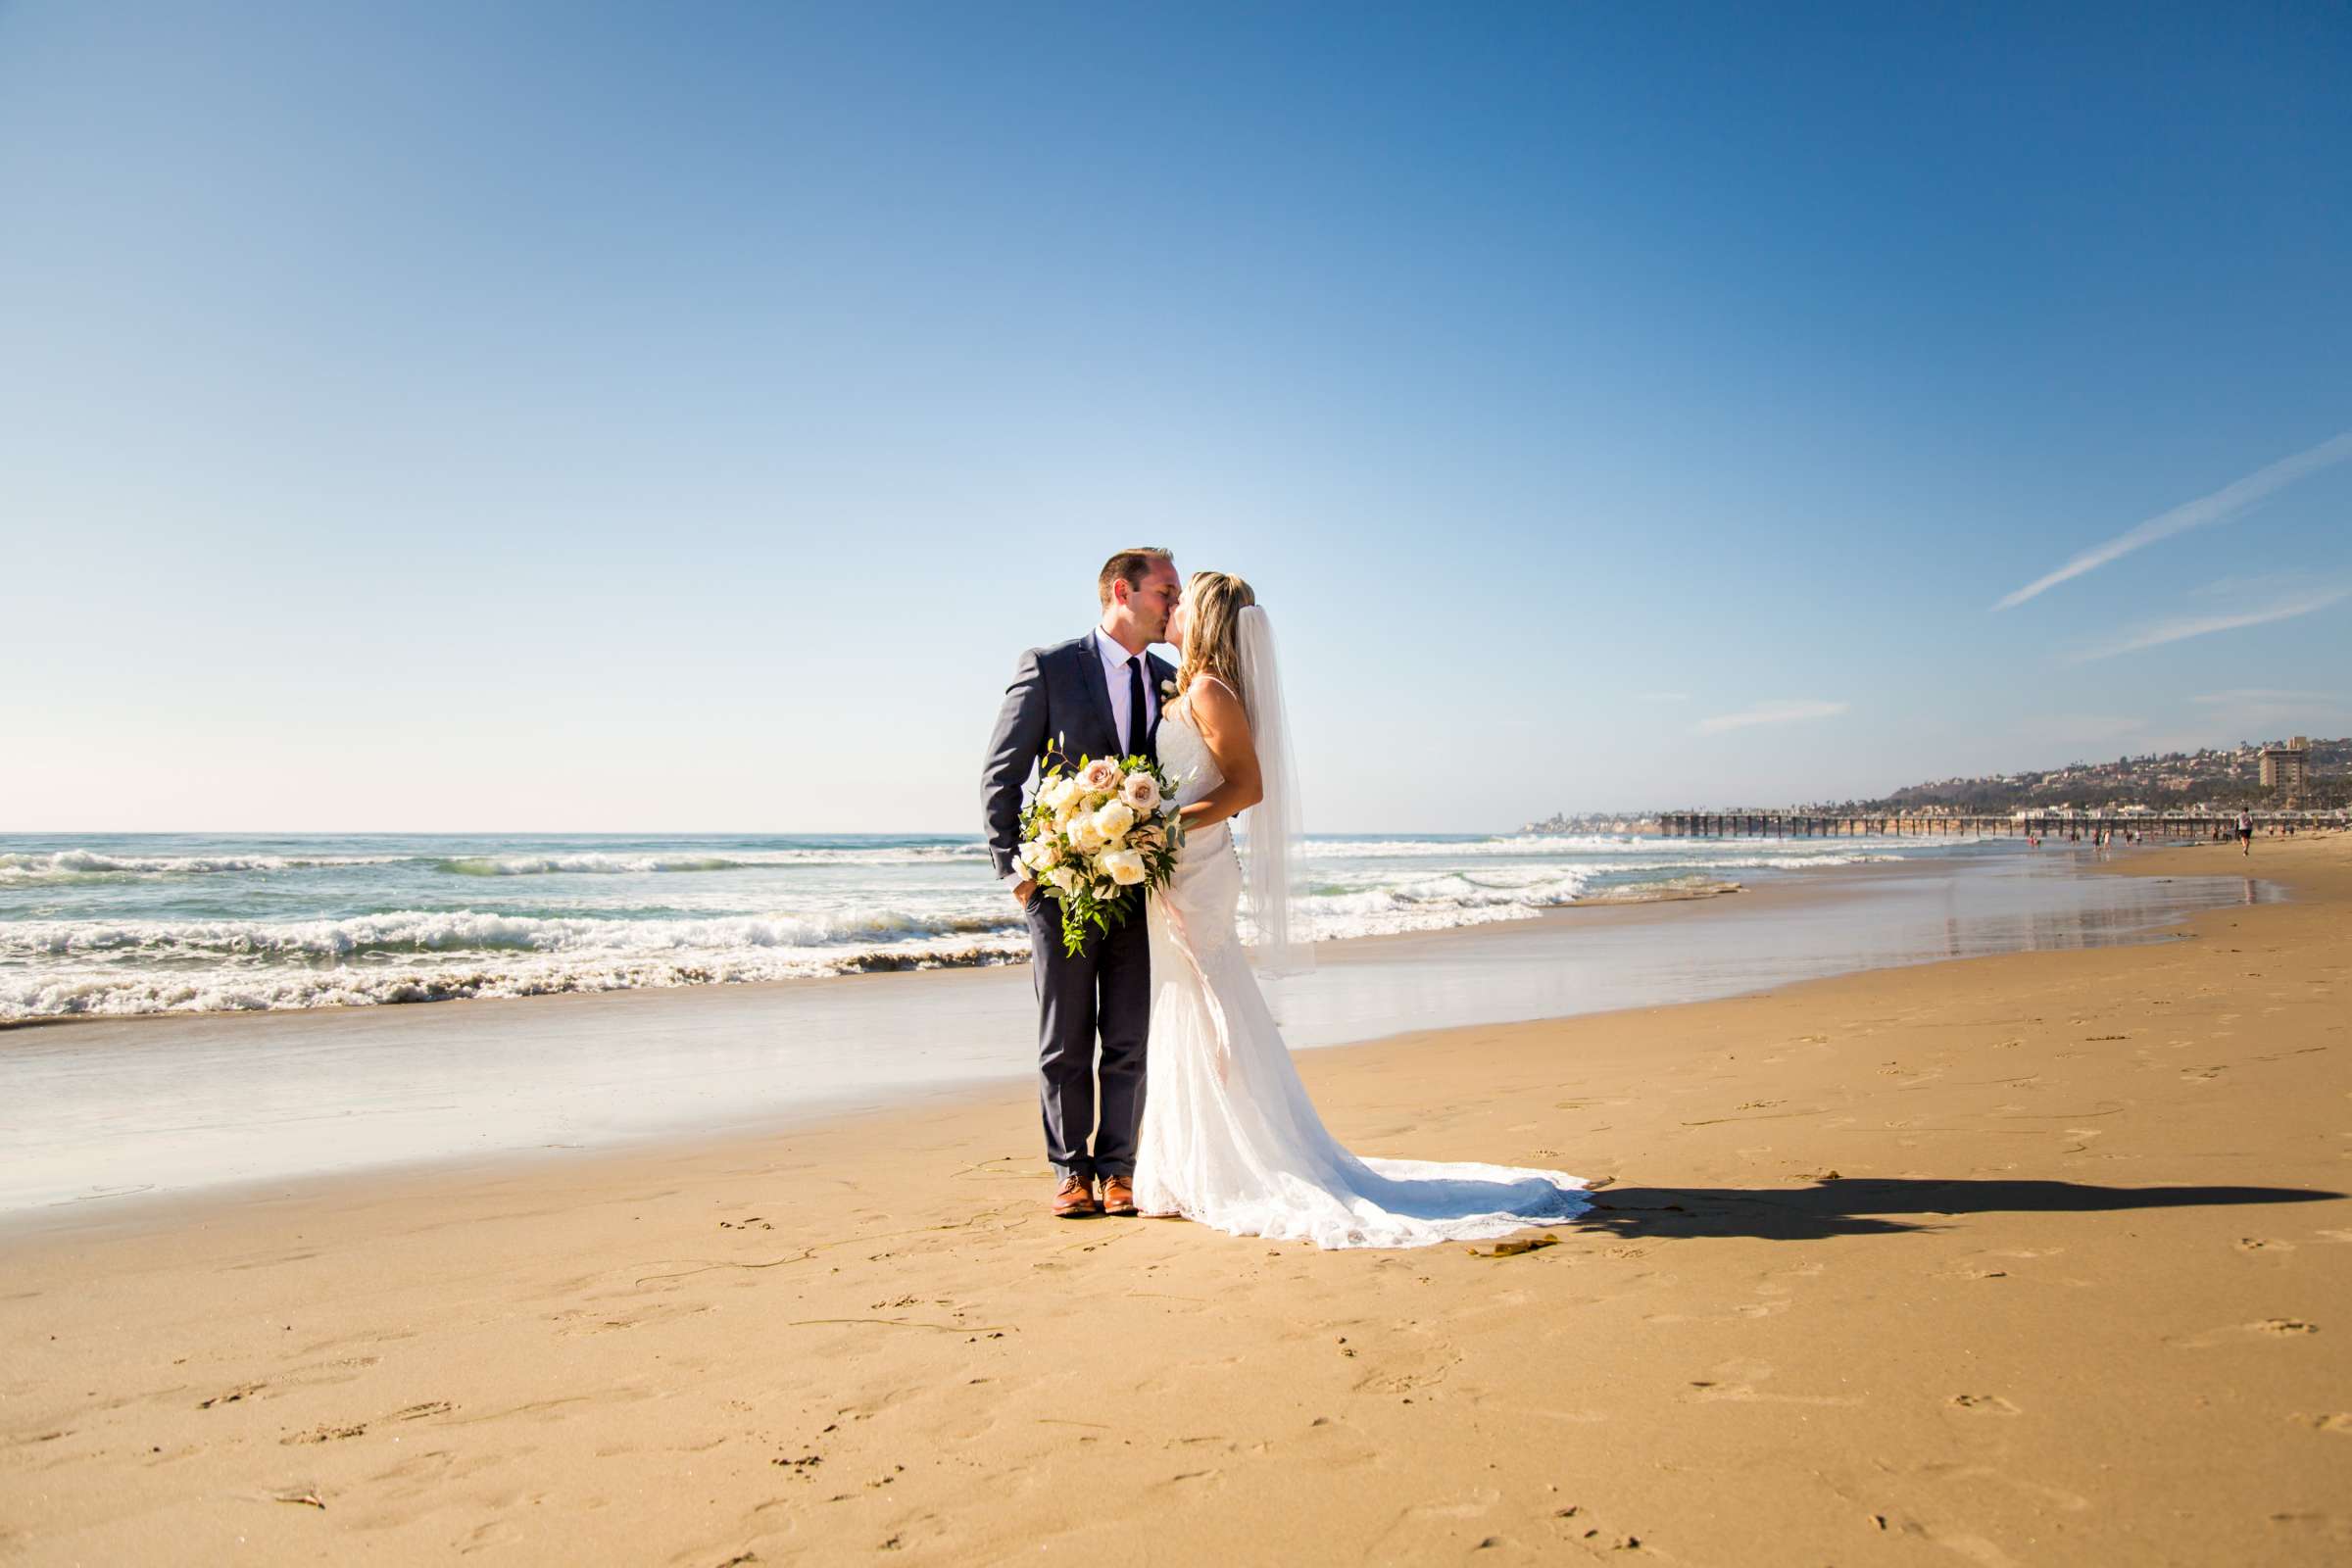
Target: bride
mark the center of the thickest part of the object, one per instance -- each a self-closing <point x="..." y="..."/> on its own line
<point x="1229" y="1136"/>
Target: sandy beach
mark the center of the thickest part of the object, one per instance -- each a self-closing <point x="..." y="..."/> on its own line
<point x="2030" y="1258"/>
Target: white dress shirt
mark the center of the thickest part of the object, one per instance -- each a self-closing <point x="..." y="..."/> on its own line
<point x="1114" y="674"/>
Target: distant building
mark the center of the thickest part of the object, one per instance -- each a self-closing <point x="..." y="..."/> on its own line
<point x="2284" y="767"/>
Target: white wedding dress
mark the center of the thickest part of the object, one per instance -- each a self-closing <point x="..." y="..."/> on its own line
<point x="1229" y="1138"/>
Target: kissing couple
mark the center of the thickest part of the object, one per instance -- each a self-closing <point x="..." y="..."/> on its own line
<point x="1165" y="1076"/>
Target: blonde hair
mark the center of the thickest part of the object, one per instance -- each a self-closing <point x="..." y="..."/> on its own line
<point x="1214" y="605"/>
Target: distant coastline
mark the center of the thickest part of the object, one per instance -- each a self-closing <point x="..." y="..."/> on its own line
<point x="2314" y="786"/>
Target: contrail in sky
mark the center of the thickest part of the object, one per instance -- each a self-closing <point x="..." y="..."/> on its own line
<point x="1777" y="712"/>
<point x="2218" y="507"/>
<point x="2186" y="627"/>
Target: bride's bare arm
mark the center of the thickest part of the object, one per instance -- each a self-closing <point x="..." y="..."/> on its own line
<point x="1224" y="724"/>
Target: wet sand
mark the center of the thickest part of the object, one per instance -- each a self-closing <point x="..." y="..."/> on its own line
<point x="2029" y="1258"/>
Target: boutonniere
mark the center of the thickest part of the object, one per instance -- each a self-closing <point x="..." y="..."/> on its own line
<point x="1168" y="688"/>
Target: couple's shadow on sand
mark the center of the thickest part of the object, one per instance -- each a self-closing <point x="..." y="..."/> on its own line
<point x="1865" y="1206"/>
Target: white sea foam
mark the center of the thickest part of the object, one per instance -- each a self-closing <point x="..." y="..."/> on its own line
<point x="76" y="865"/>
<point x="98" y="995"/>
<point x="1666" y="892"/>
<point x="1441" y="902"/>
<point x="422" y="931"/>
<point x="591" y="863"/>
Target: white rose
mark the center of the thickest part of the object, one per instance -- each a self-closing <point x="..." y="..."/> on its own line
<point x="1142" y="792"/>
<point x="1100" y="776"/>
<point x="1114" y="820"/>
<point x="1058" y="792"/>
<point x="1062" y="877"/>
<point x="1086" y="837"/>
<point x="1123" y="866"/>
<point x="1041" y="853"/>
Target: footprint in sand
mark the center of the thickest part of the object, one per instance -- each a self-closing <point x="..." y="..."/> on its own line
<point x="1736" y="1381"/>
<point x="325" y="1434"/>
<point x="2338" y="1422"/>
<point x="2274" y="1328"/>
<point x="243" y="1391"/>
<point x="1417" y="1368"/>
<point x="2333" y="1527"/>
<point x="2263" y="1244"/>
<point x="1982" y="1404"/>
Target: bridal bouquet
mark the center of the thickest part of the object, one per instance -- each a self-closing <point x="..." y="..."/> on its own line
<point x="1095" y="831"/>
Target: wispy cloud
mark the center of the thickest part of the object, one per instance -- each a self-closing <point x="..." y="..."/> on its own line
<point x="2181" y="627"/>
<point x="1777" y="712"/>
<point x="2218" y="507"/>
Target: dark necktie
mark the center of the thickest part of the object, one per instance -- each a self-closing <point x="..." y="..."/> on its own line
<point x="1138" y="718"/>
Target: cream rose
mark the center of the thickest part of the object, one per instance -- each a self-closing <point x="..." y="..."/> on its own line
<point x="1059" y="792"/>
<point x="1100" y="775"/>
<point x="1086" y="835"/>
<point x="1142" y="792"/>
<point x="1041" y="853"/>
<point x="1114" y="820"/>
<point x="1123" y="866"/>
<point x="1062" y="877"/>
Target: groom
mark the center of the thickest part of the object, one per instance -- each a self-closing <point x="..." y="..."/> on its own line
<point x="1097" y="695"/>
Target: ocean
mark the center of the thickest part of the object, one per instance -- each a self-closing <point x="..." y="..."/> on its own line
<point x="115" y="925"/>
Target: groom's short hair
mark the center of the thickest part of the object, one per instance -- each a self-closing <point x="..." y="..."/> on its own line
<point x="1131" y="566"/>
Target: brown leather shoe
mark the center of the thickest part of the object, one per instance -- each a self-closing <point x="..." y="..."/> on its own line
<point x="1074" y="1199"/>
<point x="1118" y="1197"/>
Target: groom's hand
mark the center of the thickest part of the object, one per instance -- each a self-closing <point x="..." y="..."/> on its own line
<point x="1021" y="892"/>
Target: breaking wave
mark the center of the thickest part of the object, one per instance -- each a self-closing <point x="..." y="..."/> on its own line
<point x="365" y="937"/>
<point x="87" y="864"/>
<point x="627" y="864"/>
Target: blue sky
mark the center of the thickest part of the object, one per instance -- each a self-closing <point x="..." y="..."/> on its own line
<point x="487" y="417"/>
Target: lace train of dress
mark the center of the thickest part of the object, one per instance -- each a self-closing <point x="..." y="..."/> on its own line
<point x="1229" y="1138"/>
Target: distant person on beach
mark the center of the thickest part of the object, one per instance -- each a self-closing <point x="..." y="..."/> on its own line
<point x="2245" y="833"/>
